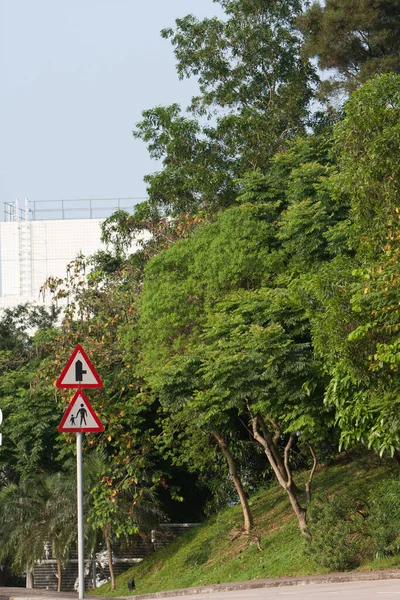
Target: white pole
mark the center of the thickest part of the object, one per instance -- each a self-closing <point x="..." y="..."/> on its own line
<point x="81" y="547"/>
<point x="29" y="578"/>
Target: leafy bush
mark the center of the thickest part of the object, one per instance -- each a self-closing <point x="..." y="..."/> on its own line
<point x="339" y="530"/>
<point x="384" y="523"/>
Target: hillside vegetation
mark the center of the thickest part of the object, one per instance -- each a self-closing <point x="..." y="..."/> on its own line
<point x="217" y="552"/>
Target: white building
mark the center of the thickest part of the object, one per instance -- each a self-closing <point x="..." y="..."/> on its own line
<point x="35" y="246"/>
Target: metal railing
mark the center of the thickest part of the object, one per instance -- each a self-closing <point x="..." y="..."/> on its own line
<point x="71" y="208"/>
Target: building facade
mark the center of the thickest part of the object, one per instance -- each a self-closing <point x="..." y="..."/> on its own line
<point x="38" y="242"/>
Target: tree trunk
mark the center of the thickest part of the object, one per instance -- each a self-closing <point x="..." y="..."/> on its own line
<point x="247" y="516"/>
<point x="59" y="574"/>
<point x="396" y="457"/>
<point x="282" y="470"/>
<point x="300" y="512"/>
<point x="29" y="575"/>
<point x="272" y="443"/>
<point x="110" y="557"/>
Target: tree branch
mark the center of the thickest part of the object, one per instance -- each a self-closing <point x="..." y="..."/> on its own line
<point x="309" y="482"/>
<point x="286" y="457"/>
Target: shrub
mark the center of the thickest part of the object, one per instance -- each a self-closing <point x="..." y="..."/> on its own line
<point x="384" y="523"/>
<point x="339" y="530"/>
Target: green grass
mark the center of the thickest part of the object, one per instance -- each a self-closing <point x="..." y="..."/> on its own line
<point x="216" y="552"/>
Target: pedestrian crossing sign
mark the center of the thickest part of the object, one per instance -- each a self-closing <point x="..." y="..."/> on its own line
<point x="80" y="416"/>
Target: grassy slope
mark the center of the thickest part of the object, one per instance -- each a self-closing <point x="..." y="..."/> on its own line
<point x="215" y="552"/>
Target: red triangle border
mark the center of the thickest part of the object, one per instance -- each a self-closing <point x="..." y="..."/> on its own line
<point x="60" y="384"/>
<point x="65" y="429"/>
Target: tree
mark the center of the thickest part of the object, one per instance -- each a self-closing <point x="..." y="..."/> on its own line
<point x="172" y="308"/>
<point x="22" y="523"/>
<point x="37" y="512"/>
<point x="359" y="39"/>
<point x="257" y="360"/>
<point x="100" y="306"/>
<point x="219" y="345"/>
<point x="249" y="69"/>
<point x="353" y="300"/>
<point x="18" y="324"/>
<point x="102" y="309"/>
<point x="196" y="271"/>
<point x="362" y="351"/>
<point x="27" y="402"/>
<point x="254" y="90"/>
<point x="186" y="434"/>
<point x="60" y="516"/>
<point x="133" y="239"/>
<point x="117" y="510"/>
<point x="197" y="175"/>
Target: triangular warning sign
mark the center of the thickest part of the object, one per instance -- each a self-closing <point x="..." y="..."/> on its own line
<point x="79" y="372"/>
<point x="80" y="416"/>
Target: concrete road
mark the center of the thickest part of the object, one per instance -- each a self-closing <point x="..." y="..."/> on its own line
<point x="353" y="590"/>
<point x="357" y="589"/>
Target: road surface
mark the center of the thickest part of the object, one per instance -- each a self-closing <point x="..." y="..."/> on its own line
<point x="378" y="589"/>
<point x="353" y="590"/>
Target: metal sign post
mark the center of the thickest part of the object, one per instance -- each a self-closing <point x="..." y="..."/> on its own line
<point x="79" y="418"/>
<point x="81" y="538"/>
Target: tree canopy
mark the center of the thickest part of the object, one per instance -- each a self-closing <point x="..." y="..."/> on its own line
<point x="358" y="39"/>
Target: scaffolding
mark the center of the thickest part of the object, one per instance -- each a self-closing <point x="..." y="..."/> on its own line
<point x="20" y="214"/>
<point x="24" y="248"/>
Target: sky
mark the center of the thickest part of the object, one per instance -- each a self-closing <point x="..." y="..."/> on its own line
<point x="75" y="77"/>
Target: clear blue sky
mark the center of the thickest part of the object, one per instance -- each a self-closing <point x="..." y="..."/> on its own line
<point x="75" y="77"/>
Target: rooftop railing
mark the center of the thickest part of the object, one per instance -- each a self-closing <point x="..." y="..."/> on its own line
<point x="77" y="208"/>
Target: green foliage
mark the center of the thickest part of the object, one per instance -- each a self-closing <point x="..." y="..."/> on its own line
<point x="21" y="522"/>
<point x="339" y="532"/>
<point x="367" y="141"/>
<point x="253" y="105"/>
<point x="254" y="94"/>
<point x="384" y="524"/>
<point x="346" y="528"/>
<point x="311" y="215"/>
<point x="235" y="346"/>
<point x="17" y="324"/>
<point x="197" y="173"/>
<point x="232" y="252"/>
<point x="122" y="508"/>
<point x="357" y="39"/>
<point x="352" y="300"/>
<point x="256" y="353"/>
<point x="29" y="440"/>
<point x="39" y="510"/>
<point x="220" y="346"/>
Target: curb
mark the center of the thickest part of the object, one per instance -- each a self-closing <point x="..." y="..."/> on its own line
<point x="39" y="594"/>
<point x="269" y="583"/>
